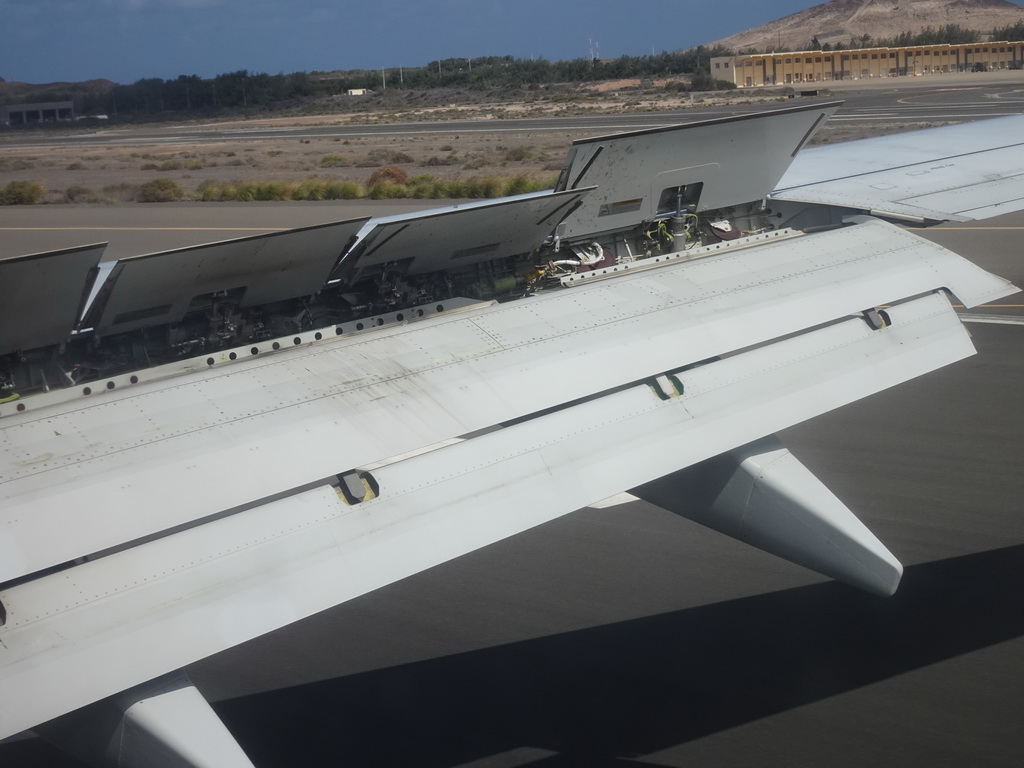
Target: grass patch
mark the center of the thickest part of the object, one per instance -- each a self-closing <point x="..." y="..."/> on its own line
<point x="310" y="189"/>
<point x="321" y="189"/>
<point x="333" y="161"/>
<point x="380" y="186"/>
<point x="386" y="190"/>
<point x="428" y="187"/>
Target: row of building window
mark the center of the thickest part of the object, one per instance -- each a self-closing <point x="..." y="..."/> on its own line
<point x="857" y="56"/>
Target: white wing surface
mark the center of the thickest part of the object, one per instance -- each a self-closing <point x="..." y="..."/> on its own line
<point x="953" y="173"/>
<point x="767" y="328"/>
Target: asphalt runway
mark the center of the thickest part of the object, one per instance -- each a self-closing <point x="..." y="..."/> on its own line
<point x="626" y="636"/>
<point x="130" y="230"/>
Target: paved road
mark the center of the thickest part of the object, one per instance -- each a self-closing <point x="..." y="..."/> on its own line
<point x="626" y="636"/>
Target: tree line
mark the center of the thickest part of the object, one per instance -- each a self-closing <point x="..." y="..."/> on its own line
<point x="259" y="91"/>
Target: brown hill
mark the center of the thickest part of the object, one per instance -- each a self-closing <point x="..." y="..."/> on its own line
<point x="15" y="92"/>
<point x="841" y="20"/>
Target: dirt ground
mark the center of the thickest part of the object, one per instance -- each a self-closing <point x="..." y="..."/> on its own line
<point x="113" y="173"/>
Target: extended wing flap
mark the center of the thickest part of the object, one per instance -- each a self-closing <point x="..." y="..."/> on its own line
<point x="251" y="430"/>
<point x="954" y="173"/>
<point x="187" y="595"/>
<point x="42" y="294"/>
<point x="160" y="287"/>
<point x="709" y="164"/>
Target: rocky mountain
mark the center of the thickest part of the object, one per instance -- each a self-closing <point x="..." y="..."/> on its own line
<point x="841" y="20"/>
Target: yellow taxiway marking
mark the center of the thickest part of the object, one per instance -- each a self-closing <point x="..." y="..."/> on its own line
<point x="976" y="306"/>
<point x="144" y="229"/>
<point x="967" y="229"/>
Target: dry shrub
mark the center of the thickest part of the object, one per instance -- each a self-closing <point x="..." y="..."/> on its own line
<point x="161" y="191"/>
<point x="389" y="174"/>
<point x="121" y="193"/>
<point x="22" y="193"/>
<point x="77" y="193"/>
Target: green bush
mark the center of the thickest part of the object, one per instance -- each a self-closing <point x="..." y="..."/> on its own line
<point x="244" y="191"/>
<point x="273" y="190"/>
<point x="385" y="190"/>
<point x="332" y="161"/>
<point x="22" y="193"/>
<point x="450" y="189"/>
<point x="311" y="189"/>
<point x="422" y="187"/>
<point x="211" y="191"/>
<point x="344" y="190"/>
<point x="522" y="183"/>
<point x="161" y="191"/>
<point x="484" y="187"/>
<point x="519" y="185"/>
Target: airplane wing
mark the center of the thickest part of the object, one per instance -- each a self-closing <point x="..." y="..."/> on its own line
<point x="958" y="172"/>
<point x="214" y="452"/>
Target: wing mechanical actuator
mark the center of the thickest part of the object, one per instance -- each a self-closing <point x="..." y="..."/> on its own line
<point x="231" y="437"/>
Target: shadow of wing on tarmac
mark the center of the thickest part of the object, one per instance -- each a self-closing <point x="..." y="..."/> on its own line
<point x="600" y="695"/>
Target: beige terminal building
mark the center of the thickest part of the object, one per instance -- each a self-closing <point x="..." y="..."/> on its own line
<point x="801" y="67"/>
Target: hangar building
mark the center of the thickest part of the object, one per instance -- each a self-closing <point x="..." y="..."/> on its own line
<point x="24" y="114"/>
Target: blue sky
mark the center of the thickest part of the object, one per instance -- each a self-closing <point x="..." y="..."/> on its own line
<point x="124" y="40"/>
